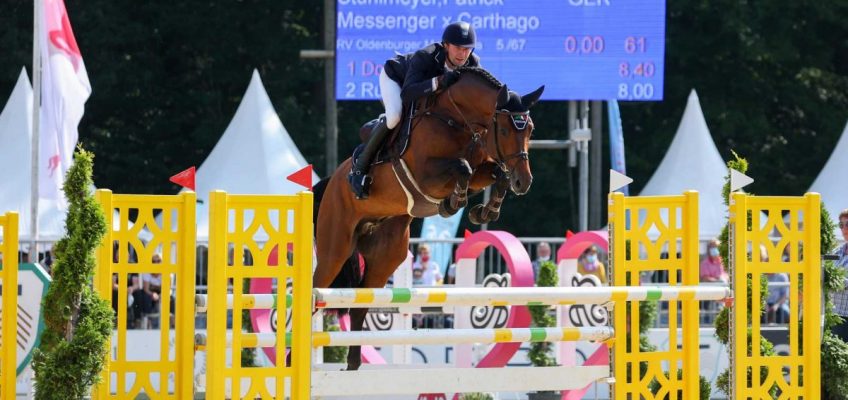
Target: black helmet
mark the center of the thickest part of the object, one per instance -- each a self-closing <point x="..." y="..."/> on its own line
<point x="460" y="34"/>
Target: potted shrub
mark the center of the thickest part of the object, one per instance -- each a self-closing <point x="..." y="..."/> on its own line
<point x="541" y="353"/>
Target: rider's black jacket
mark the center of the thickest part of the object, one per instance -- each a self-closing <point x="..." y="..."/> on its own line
<point x="414" y="71"/>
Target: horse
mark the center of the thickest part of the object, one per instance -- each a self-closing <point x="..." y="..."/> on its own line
<point x="464" y="138"/>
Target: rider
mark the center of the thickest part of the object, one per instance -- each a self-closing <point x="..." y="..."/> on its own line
<point x="408" y="77"/>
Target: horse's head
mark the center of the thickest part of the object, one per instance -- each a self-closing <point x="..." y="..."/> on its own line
<point x="510" y="141"/>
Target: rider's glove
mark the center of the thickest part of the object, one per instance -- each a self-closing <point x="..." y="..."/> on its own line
<point x="449" y="78"/>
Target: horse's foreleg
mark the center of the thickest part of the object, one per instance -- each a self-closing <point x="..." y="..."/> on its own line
<point x="460" y="171"/>
<point x="481" y="214"/>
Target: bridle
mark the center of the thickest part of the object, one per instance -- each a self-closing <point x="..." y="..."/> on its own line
<point x="520" y="124"/>
<point x="520" y="120"/>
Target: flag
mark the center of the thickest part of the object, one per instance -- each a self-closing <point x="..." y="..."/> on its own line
<point x="64" y="90"/>
<point x="616" y="136"/>
<point x="439" y="228"/>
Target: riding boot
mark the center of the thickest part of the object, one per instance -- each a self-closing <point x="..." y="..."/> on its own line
<point x="359" y="179"/>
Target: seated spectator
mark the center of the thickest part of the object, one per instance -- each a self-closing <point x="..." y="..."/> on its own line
<point x="589" y="264"/>
<point x="543" y="253"/>
<point x="777" y="302"/>
<point x="147" y="299"/>
<point x="432" y="274"/>
<point x="417" y="276"/>
<point x="712" y="269"/>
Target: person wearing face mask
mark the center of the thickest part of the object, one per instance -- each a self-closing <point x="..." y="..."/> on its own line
<point x="712" y="269"/>
<point x="409" y="77"/>
<point x="840" y="298"/>
<point x="543" y="253"/>
<point x="589" y="264"/>
<point x="432" y="274"/>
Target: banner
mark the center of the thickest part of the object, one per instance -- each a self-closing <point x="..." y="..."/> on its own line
<point x="64" y="91"/>
<point x="616" y="140"/>
<point x="437" y="227"/>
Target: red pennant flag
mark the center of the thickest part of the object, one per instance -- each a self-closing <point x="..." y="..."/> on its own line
<point x="467" y="234"/>
<point x="569" y="234"/>
<point x="185" y="178"/>
<point x="303" y="177"/>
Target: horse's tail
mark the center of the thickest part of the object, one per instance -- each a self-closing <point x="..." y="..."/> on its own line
<point x="350" y="275"/>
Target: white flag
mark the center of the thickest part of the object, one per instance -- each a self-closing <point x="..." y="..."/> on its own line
<point x="64" y="90"/>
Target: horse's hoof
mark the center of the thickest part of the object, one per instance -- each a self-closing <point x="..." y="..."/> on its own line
<point x="445" y="211"/>
<point x="494" y="215"/>
<point x="474" y="215"/>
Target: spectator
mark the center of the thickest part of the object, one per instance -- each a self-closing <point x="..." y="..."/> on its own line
<point x="777" y="302"/>
<point x="543" y="253"/>
<point x="711" y="268"/>
<point x="589" y="264"/>
<point x="840" y="299"/>
<point x="450" y="275"/>
<point x="417" y="276"/>
<point x="431" y="274"/>
<point x="146" y="300"/>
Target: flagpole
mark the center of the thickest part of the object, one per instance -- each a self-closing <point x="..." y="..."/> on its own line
<point x="36" y="107"/>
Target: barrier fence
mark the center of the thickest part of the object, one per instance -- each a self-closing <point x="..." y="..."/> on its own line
<point x="9" y="262"/>
<point x="647" y="234"/>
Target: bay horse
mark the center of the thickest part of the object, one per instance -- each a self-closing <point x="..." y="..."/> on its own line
<point x="463" y="138"/>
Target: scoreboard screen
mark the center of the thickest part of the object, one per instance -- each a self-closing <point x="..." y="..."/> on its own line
<point x="578" y="49"/>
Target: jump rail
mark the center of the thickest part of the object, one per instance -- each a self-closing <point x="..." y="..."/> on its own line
<point x="530" y="296"/>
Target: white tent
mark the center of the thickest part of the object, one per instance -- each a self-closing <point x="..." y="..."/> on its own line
<point x="16" y="161"/>
<point x="692" y="162"/>
<point x="831" y="180"/>
<point x="254" y="155"/>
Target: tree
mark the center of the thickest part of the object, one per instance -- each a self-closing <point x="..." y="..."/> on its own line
<point x="73" y="347"/>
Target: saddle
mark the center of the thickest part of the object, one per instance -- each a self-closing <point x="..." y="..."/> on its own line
<point x="395" y="144"/>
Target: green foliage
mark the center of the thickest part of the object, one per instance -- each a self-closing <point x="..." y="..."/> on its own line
<point x="169" y="75"/>
<point x="476" y="396"/>
<point x="78" y="322"/>
<point x="834" y="359"/>
<point x="766" y="349"/>
<point x="333" y="354"/>
<point x="722" y="322"/>
<point x="541" y="353"/>
<point x="248" y="354"/>
<point x="703" y="383"/>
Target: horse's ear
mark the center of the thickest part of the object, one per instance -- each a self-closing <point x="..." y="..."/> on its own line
<point x="530" y="99"/>
<point x="503" y="98"/>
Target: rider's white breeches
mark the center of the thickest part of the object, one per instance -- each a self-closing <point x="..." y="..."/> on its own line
<point x="390" y="91"/>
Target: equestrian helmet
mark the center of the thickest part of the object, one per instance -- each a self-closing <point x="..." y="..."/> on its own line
<point x="460" y="34"/>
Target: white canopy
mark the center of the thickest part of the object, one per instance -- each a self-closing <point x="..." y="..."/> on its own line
<point x="16" y="161"/>
<point x="831" y="180"/>
<point x="254" y="155"/>
<point x="692" y="162"/>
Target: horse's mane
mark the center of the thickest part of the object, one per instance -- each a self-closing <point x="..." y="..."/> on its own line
<point x="482" y="73"/>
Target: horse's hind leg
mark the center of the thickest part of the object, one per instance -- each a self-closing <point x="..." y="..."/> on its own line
<point x="384" y="250"/>
<point x="334" y="234"/>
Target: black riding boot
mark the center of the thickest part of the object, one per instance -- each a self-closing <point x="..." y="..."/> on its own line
<point x="359" y="179"/>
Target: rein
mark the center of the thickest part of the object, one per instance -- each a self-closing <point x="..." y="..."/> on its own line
<point x="476" y="135"/>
